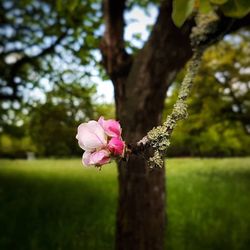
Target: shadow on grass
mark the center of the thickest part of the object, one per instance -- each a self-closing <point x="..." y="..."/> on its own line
<point x="54" y="213"/>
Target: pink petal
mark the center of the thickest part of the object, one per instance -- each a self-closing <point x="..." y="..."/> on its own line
<point x="100" y="157"/>
<point x="91" y="136"/>
<point x="116" y="146"/>
<point x="86" y="158"/>
<point x="111" y="127"/>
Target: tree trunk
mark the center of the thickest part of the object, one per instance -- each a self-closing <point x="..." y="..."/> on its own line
<point x="140" y="84"/>
<point x="141" y="208"/>
<point x="142" y="197"/>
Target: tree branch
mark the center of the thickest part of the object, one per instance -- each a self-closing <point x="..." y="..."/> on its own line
<point x="27" y="60"/>
<point x="238" y="23"/>
<point x="115" y="59"/>
<point x="158" y="138"/>
<point x="165" y="34"/>
<point x="48" y="50"/>
<point x="168" y="47"/>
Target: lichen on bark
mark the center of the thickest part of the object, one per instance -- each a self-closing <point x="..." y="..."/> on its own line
<point x="159" y="137"/>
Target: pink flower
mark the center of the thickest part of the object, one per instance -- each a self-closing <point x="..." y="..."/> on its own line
<point x="116" y="146"/>
<point x="91" y="136"/>
<point x="97" y="158"/>
<point x="100" y="140"/>
<point x="111" y="127"/>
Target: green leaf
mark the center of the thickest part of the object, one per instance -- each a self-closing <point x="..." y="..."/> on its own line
<point x="181" y="11"/>
<point x="236" y="8"/>
<point x="204" y="6"/>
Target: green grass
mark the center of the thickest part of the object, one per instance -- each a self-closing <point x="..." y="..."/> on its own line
<point x="58" y="204"/>
<point x="209" y="204"/>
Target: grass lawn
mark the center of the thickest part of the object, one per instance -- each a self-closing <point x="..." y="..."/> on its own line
<point x="59" y="205"/>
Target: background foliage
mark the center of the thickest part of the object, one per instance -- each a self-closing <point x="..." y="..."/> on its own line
<point x="49" y="63"/>
<point x="218" y="123"/>
<point x="219" y="107"/>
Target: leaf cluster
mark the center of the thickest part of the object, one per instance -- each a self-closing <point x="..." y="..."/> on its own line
<point x="183" y="9"/>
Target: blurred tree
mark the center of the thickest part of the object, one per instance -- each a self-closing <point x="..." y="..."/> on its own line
<point x="13" y="147"/>
<point x="45" y="46"/>
<point x="44" y="38"/>
<point x="42" y="44"/>
<point x="56" y="120"/>
<point x="14" y="137"/>
<point x="229" y="62"/>
<point x="219" y="108"/>
<point x="51" y="123"/>
<point x="107" y="110"/>
<point x="65" y="107"/>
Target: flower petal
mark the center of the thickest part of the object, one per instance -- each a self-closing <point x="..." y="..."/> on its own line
<point x="100" y="157"/>
<point x="91" y="136"/>
<point x="86" y="158"/>
<point x="116" y="146"/>
<point x="111" y="127"/>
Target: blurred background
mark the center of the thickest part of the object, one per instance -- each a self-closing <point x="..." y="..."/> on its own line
<point x="52" y="80"/>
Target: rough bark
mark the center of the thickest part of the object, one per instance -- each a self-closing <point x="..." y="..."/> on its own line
<point x="141" y="209"/>
<point x="141" y="205"/>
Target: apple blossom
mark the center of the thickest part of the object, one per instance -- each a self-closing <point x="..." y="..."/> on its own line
<point x="100" y="141"/>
